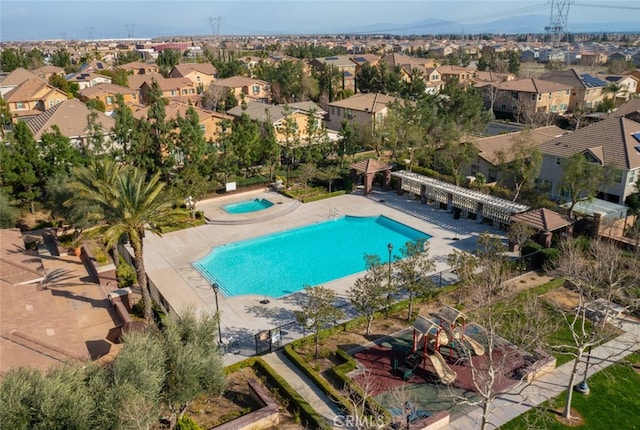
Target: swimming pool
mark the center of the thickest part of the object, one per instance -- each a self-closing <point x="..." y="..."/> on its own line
<point x="247" y="206"/>
<point x="283" y="263"/>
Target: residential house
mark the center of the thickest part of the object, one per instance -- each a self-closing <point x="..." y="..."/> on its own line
<point x="364" y="110"/>
<point x="107" y="93"/>
<point x="15" y="78"/>
<point x="344" y="64"/>
<point x="628" y="85"/>
<point x="72" y="119"/>
<point x="529" y="97"/>
<point x="635" y="73"/>
<point x="135" y="82"/>
<point x="279" y="115"/>
<point x="613" y="143"/>
<point x="211" y="123"/>
<point x="249" y="89"/>
<point x="181" y="89"/>
<point x="459" y="74"/>
<point x="32" y="97"/>
<point x="87" y="79"/>
<point x="586" y="89"/>
<point x="431" y="76"/>
<point x="482" y="78"/>
<point x="140" y="68"/>
<point x="394" y="60"/>
<point x="635" y="59"/>
<point x="45" y="72"/>
<point x="493" y="151"/>
<point x="201" y="74"/>
<point x="95" y="66"/>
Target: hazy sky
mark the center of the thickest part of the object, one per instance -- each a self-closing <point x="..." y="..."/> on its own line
<point x="49" y="19"/>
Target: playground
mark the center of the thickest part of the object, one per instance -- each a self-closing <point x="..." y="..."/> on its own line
<point x="432" y="364"/>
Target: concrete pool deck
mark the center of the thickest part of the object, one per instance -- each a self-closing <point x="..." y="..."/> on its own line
<point x="168" y="259"/>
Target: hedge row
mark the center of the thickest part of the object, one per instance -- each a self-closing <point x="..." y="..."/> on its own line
<point x="310" y="418"/>
<point x="297" y="404"/>
<point x="317" y="379"/>
<point x="323" y="196"/>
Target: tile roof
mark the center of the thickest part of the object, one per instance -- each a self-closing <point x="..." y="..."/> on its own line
<point x="491" y="147"/>
<point x="532" y="85"/>
<point x="307" y="107"/>
<point x="261" y="111"/>
<point x="71" y="118"/>
<point x="185" y="69"/>
<point x="368" y="102"/>
<point x="175" y="108"/>
<point x="17" y="77"/>
<point x="633" y="105"/>
<point x="610" y="140"/>
<point x="543" y="219"/>
<point x="135" y="81"/>
<point x="48" y="69"/>
<point x="105" y="89"/>
<point x="238" y="81"/>
<point x="30" y="90"/>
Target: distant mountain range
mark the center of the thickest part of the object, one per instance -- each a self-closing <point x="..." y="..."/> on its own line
<point x="512" y="25"/>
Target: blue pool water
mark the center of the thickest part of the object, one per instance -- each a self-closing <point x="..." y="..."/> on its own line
<point x="247" y="206"/>
<point x="283" y="263"/>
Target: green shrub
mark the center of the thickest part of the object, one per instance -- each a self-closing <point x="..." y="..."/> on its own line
<point x="100" y="255"/>
<point x="186" y="423"/>
<point x="125" y="274"/>
<point x="323" y="196"/>
<point x="309" y="417"/>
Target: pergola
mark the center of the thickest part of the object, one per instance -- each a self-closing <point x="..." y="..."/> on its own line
<point x="369" y="168"/>
<point x="463" y="200"/>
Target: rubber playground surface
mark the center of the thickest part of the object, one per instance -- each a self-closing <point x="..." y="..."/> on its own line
<point x="386" y="361"/>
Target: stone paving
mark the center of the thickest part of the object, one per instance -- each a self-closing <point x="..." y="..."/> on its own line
<point x="168" y="259"/>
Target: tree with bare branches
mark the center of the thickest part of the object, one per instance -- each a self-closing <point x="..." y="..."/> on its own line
<point x="371" y="292"/>
<point x="598" y="274"/>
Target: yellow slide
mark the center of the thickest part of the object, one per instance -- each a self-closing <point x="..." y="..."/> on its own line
<point x="477" y="348"/>
<point x="446" y="374"/>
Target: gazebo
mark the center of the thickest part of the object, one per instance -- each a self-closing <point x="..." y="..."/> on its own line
<point x="369" y="168"/>
<point x="545" y="222"/>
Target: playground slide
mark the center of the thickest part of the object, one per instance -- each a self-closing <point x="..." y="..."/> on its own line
<point x="477" y="348"/>
<point x="446" y="374"/>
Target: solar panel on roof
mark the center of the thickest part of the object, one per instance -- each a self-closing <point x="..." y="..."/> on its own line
<point x="636" y="136"/>
<point x="592" y="81"/>
<point x="331" y="58"/>
<point x="637" y="147"/>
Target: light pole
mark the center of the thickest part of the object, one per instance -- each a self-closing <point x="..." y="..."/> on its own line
<point x="390" y="249"/>
<point x="583" y="387"/>
<point x="215" y="288"/>
<point x="408" y="406"/>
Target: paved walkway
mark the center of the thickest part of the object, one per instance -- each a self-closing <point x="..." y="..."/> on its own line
<point x="507" y="407"/>
<point x="303" y="386"/>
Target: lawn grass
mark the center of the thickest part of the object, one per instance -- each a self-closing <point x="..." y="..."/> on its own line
<point x="614" y="403"/>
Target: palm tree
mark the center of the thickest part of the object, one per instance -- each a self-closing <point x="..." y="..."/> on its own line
<point x="131" y="205"/>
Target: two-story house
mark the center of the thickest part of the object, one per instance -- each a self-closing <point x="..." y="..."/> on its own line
<point x="107" y="94"/>
<point x="140" y="68"/>
<point x="343" y="63"/>
<point x="297" y="115"/>
<point x="87" y="79"/>
<point x="528" y="97"/>
<point x="45" y="72"/>
<point x="496" y="151"/>
<point x="172" y="88"/>
<point x="365" y="111"/>
<point x="586" y="89"/>
<point x="243" y="87"/>
<point x="460" y="74"/>
<point x="211" y="123"/>
<point x="15" y="78"/>
<point x="613" y="143"/>
<point x="201" y="74"/>
<point x="71" y="118"/>
<point x="32" y="97"/>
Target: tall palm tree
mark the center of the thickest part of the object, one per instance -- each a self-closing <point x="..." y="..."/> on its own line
<point x="98" y="180"/>
<point x="131" y="205"/>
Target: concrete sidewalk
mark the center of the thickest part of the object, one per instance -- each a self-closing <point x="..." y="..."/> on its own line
<point x="304" y="386"/>
<point x="509" y="406"/>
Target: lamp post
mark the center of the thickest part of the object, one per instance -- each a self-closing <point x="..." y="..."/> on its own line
<point x="408" y="406"/>
<point x="390" y="249"/>
<point x="583" y="387"/>
<point x="215" y="288"/>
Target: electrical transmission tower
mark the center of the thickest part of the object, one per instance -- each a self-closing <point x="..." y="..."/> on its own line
<point x="129" y="28"/>
<point x="558" y="24"/>
<point x="215" y="22"/>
